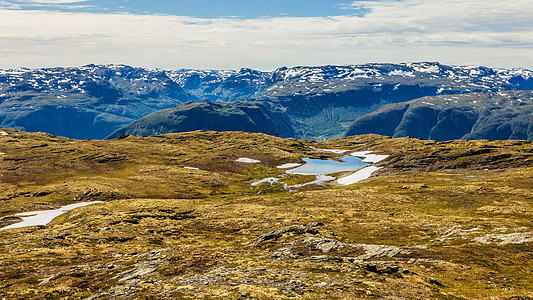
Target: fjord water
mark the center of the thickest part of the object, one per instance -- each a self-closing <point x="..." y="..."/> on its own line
<point x="322" y="167"/>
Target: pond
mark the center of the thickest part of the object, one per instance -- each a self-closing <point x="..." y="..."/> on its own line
<point x="359" y="163"/>
<point x="322" y="167"/>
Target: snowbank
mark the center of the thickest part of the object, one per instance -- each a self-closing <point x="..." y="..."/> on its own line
<point x="36" y="218"/>
<point x="248" y="160"/>
<point x="191" y="168"/>
<point x="289" y="166"/>
<point x="362" y="174"/>
<point x="369" y="158"/>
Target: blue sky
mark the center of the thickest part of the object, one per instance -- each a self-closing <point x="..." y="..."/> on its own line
<point x="230" y="34"/>
<point x="204" y="8"/>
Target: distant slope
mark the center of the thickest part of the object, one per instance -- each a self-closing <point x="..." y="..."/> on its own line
<point x="498" y="116"/>
<point x="249" y="116"/>
<point x="86" y="102"/>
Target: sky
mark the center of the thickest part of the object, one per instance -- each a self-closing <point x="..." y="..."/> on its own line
<point x="265" y="35"/>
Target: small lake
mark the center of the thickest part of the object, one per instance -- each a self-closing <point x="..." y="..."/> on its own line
<point x="328" y="166"/>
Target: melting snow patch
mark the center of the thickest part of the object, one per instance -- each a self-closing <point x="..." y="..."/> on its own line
<point x="3" y="133"/>
<point x="289" y="166"/>
<point x="369" y="158"/>
<point x="44" y="217"/>
<point x="319" y="180"/>
<point x="191" y="168"/>
<point x="358" y="176"/>
<point x="248" y="160"/>
<point x="269" y="180"/>
<point x="361" y="153"/>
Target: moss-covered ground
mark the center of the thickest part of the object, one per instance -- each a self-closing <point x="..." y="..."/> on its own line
<point x="450" y="220"/>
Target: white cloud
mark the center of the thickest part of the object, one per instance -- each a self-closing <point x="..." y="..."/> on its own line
<point x="492" y="33"/>
<point x="9" y="5"/>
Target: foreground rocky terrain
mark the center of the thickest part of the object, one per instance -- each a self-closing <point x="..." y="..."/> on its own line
<point x="180" y="219"/>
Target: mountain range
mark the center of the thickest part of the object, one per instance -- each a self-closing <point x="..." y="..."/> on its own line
<point x="317" y="103"/>
<point x="84" y="103"/>
<point x="492" y="115"/>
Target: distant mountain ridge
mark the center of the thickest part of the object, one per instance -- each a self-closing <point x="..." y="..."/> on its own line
<point x="222" y="86"/>
<point x="85" y="102"/>
<point x="303" y="102"/>
<point x="322" y="102"/>
<point x="467" y="79"/>
<point x="496" y="116"/>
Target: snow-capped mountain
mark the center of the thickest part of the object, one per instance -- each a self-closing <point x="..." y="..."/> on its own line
<point x="316" y="102"/>
<point x="86" y="102"/>
<point x="222" y="86"/>
<point x="286" y="82"/>
<point x="473" y="75"/>
<point x="87" y="79"/>
<point x="229" y="85"/>
<point x="323" y="102"/>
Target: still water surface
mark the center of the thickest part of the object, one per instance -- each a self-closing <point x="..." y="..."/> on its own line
<point x="328" y="166"/>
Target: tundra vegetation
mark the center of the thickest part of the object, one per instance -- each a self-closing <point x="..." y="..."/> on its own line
<point x="181" y="220"/>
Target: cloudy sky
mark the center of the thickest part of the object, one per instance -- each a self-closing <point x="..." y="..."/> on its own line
<point x="229" y="34"/>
